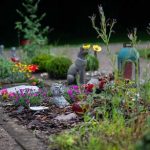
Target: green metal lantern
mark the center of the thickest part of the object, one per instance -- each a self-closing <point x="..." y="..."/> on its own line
<point x="128" y="62"/>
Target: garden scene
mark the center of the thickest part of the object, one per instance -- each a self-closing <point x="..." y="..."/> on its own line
<point x="86" y="96"/>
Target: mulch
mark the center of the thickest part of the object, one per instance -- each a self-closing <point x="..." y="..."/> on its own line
<point x="43" y="123"/>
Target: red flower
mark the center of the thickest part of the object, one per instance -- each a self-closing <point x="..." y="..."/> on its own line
<point x="80" y="107"/>
<point x="14" y="59"/>
<point x="33" y="68"/>
<point x="102" y="83"/>
<point x="90" y="87"/>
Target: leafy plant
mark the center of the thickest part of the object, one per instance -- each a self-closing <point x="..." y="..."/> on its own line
<point x="31" y="27"/>
<point x="92" y="63"/>
<point x="5" y="68"/>
<point x="41" y="61"/>
<point x="145" y="53"/>
<point x="57" y="68"/>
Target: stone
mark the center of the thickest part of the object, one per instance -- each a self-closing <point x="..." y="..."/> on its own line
<point x="60" y="101"/>
<point x="44" y="75"/>
<point x="93" y="81"/>
<point x="66" y="117"/>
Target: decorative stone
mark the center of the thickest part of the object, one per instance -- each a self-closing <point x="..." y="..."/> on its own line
<point x="57" y="91"/>
<point x="78" y="68"/>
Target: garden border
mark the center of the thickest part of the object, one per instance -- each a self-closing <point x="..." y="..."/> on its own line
<point x="25" y="139"/>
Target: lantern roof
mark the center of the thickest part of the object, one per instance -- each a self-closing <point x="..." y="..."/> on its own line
<point x="128" y="53"/>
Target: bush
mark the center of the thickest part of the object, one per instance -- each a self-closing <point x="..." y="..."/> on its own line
<point x="41" y="61"/>
<point x="92" y="63"/>
<point x="5" y="68"/>
<point x="57" y="68"/>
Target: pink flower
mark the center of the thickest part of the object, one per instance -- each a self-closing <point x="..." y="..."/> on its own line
<point x="4" y="91"/>
<point x="11" y="94"/>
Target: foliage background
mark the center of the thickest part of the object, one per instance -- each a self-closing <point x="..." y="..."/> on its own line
<point x="70" y="18"/>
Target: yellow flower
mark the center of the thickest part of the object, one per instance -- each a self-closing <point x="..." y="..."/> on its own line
<point x="97" y="48"/>
<point x="87" y="46"/>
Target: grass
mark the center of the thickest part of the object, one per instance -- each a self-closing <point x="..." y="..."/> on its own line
<point x="144" y="53"/>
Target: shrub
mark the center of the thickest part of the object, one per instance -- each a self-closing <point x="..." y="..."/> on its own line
<point x="41" y="60"/>
<point x="57" y="68"/>
<point x="92" y="63"/>
<point x="5" y="68"/>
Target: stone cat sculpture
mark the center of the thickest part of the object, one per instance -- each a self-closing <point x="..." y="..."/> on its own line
<point x="78" y="68"/>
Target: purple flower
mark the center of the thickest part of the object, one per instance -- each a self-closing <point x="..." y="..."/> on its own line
<point x="70" y="92"/>
<point x="75" y="87"/>
<point x="27" y="101"/>
<point x="35" y="94"/>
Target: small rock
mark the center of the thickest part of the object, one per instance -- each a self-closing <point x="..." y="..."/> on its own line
<point x="60" y="101"/>
<point x="44" y="75"/>
<point x="93" y="81"/>
<point x="66" y="117"/>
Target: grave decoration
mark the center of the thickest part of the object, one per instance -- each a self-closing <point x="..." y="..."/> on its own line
<point x="128" y="62"/>
<point x="14" y="57"/>
<point x="1" y="49"/>
<point x="58" y="99"/>
<point x="77" y="69"/>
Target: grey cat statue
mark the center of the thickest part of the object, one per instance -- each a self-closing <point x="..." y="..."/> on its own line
<point x="78" y="68"/>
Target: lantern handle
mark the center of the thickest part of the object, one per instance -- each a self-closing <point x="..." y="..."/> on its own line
<point x="127" y="45"/>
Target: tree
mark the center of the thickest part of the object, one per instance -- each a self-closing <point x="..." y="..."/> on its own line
<point x="31" y="28"/>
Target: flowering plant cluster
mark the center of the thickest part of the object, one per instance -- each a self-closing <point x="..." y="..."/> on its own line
<point x="76" y="93"/>
<point x="73" y="91"/>
<point x="24" y="70"/>
<point x="4" y="94"/>
<point x="35" y="81"/>
<point x="78" y="97"/>
<point x="28" y="97"/>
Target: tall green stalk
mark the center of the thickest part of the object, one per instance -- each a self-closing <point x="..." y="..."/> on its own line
<point x="104" y="32"/>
